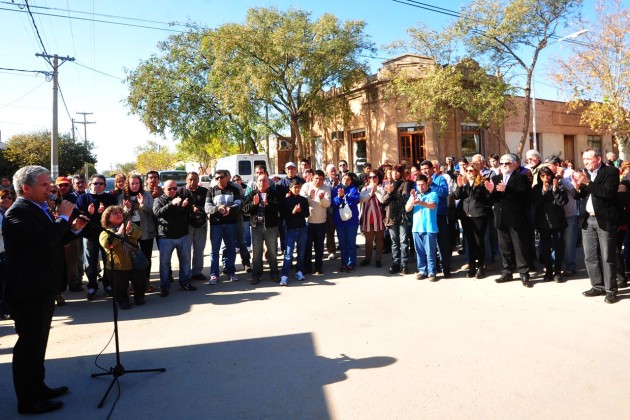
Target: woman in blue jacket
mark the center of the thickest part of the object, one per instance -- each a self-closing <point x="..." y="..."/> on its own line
<point x="346" y="195"/>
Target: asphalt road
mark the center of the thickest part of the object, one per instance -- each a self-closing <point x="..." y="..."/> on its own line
<point x="362" y="346"/>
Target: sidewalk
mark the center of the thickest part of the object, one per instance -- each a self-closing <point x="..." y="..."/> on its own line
<point x="367" y="345"/>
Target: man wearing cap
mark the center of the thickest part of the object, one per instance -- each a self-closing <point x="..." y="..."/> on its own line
<point x="74" y="248"/>
<point x="282" y="188"/>
<point x="198" y="228"/>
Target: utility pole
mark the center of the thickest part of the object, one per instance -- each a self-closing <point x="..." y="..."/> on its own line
<point x="54" y="143"/>
<point x="85" y="122"/>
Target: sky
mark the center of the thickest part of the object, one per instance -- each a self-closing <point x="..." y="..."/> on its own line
<point x="102" y="51"/>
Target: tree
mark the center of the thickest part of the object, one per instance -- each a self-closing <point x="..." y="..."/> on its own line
<point x="154" y="157"/>
<point x="283" y="61"/>
<point x="34" y="149"/>
<point x="509" y="36"/>
<point x="170" y="92"/>
<point x="436" y="91"/>
<point x="599" y="70"/>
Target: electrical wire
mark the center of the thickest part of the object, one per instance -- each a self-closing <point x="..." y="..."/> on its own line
<point x="27" y="93"/>
<point x="41" y="42"/>
<point x="96" y="20"/>
<point x="97" y="71"/>
<point x="91" y="13"/>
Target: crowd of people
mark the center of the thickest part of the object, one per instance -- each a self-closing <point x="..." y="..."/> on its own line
<point x="419" y="213"/>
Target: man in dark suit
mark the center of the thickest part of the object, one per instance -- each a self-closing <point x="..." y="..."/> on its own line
<point x="32" y="235"/>
<point x="510" y="192"/>
<point x="597" y="186"/>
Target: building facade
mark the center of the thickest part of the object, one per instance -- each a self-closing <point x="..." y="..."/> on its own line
<point x="380" y="129"/>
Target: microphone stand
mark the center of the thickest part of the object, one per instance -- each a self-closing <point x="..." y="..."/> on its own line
<point x="118" y="370"/>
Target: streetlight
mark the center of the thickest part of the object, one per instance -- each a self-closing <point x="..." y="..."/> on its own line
<point x="564" y="38"/>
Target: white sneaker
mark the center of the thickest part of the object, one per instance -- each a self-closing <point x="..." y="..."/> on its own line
<point x="233" y="277"/>
<point x="331" y="256"/>
<point x="299" y="276"/>
<point x="283" y="280"/>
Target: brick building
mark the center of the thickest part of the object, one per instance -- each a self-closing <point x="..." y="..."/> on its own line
<point x="380" y="129"/>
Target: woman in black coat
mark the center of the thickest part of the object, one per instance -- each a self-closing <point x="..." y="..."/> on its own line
<point x="549" y="198"/>
<point x="473" y="209"/>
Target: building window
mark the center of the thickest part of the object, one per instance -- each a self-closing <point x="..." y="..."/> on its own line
<point x="470" y="139"/>
<point x="359" y="149"/>
<point x="538" y="141"/>
<point x="411" y="144"/>
<point x="594" y="141"/>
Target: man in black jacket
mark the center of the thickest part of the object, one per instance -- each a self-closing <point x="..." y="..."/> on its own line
<point x="34" y="244"/>
<point x="172" y="213"/>
<point x="198" y="229"/>
<point x="263" y="207"/>
<point x="597" y="186"/>
<point x="510" y="193"/>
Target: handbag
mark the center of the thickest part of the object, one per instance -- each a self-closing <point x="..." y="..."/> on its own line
<point x="139" y="261"/>
<point x="345" y="212"/>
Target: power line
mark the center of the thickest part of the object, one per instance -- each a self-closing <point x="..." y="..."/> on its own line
<point x="453" y="13"/>
<point x="27" y="93"/>
<point x="103" y="15"/>
<point x="96" y="20"/>
<point x="28" y="8"/>
<point x="98" y="71"/>
<point x="47" y="73"/>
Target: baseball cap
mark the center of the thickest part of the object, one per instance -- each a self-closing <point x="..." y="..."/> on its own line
<point x="63" y="180"/>
<point x="288" y="164"/>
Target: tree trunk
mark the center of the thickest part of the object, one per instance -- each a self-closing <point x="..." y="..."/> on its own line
<point x="527" y="114"/>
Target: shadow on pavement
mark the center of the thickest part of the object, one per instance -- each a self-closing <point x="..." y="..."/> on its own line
<point x="272" y="377"/>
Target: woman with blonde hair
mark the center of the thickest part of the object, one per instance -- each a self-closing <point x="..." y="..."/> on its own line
<point x="113" y="220"/>
<point x="473" y="210"/>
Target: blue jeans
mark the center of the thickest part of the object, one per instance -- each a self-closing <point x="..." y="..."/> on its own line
<point x="570" y="241"/>
<point x="268" y="236"/>
<point x="247" y="233"/>
<point x="167" y="245"/>
<point x="315" y="238"/>
<point x="400" y="244"/>
<point x="222" y="233"/>
<point x="198" y="242"/>
<point x="291" y="238"/>
<point x="347" y="235"/>
<point x="92" y="249"/>
<point x="425" y="244"/>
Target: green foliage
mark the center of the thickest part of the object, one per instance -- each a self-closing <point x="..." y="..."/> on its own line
<point x="154" y="157"/>
<point x="284" y="60"/>
<point x="34" y="149"/>
<point x="464" y="87"/>
<point x="599" y="70"/>
<point x="508" y="35"/>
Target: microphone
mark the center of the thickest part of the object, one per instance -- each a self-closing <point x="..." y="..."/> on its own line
<point x="55" y="198"/>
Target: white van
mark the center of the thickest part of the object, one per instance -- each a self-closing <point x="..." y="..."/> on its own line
<point x="242" y="164"/>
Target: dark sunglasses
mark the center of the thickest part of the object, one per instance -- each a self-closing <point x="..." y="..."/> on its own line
<point x="171" y="189"/>
<point x="373" y="177"/>
<point x="505" y="163"/>
<point x="98" y="183"/>
<point x="218" y="178"/>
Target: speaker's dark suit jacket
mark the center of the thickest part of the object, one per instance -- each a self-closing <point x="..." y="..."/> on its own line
<point x="603" y="191"/>
<point x="511" y="206"/>
<point x="35" y="272"/>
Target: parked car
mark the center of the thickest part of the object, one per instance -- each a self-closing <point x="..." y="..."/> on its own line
<point x="109" y="184"/>
<point x="178" y="176"/>
<point x="242" y="165"/>
<point x="205" y="181"/>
